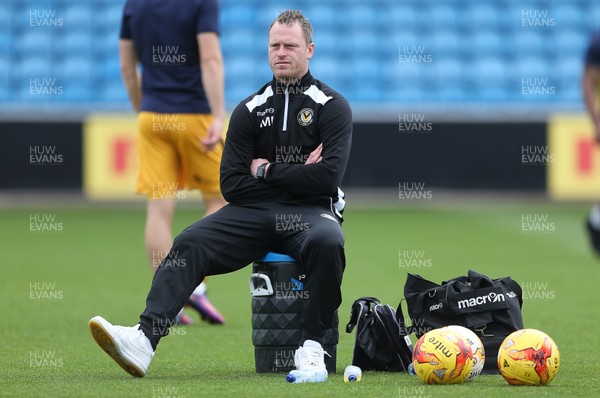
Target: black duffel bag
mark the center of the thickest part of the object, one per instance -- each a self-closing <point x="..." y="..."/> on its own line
<point x="382" y="341"/>
<point x="489" y="307"/>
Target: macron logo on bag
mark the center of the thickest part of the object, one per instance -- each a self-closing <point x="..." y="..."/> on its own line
<point x="481" y="300"/>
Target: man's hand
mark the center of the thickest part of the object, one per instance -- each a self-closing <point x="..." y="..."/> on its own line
<point x="254" y="165"/>
<point x="214" y="135"/>
<point x="315" y="156"/>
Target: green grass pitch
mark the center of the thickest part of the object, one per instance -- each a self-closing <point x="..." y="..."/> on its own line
<point x="94" y="263"/>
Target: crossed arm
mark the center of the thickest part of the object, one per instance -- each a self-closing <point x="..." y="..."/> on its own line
<point x="320" y="175"/>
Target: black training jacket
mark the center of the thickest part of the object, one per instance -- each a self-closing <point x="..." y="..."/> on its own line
<point x="283" y="123"/>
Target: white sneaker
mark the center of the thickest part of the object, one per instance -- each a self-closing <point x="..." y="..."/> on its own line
<point x="310" y="358"/>
<point x="128" y="346"/>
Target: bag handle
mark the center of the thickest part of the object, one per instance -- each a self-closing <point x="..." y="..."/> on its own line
<point x="369" y="299"/>
<point x="400" y="318"/>
<point x="514" y="286"/>
<point x="433" y="292"/>
<point x="359" y="306"/>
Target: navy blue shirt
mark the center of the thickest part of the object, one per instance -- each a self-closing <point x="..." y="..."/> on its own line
<point x="592" y="55"/>
<point x="164" y="35"/>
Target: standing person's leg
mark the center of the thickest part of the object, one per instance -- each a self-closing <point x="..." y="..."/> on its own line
<point x="213" y="204"/>
<point x="200" y="170"/>
<point x="593" y="227"/>
<point x="316" y="240"/>
<point x="158" y="231"/>
<point x="159" y="179"/>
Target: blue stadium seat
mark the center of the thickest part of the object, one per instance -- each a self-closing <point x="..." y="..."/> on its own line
<point x="449" y="71"/>
<point x="486" y="43"/>
<point x="403" y="16"/>
<point x="239" y="41"/>
<point x="235" y="67"/>
<point x="478" y="16"/>
<point x="402" y="81"/>
<point x="107" y="70"/>
<point x="447" y="43"/>
<point x="106" y="45"/>
<point x="593" y="16"/>
<point x="332" y="71"/>
<point x="4" y="78"/>
<point x="450" y="94"/>
<point x="77" y="71"/>
<point x="244" y="75"/>
<point x="568" y="75"/>
<point x="516" y="12"/>
<point x="113" y="92"/>
<point x="362" y="94"/>
<point x="406" y="72"/>
<point x="109" y="18"/>
<point x="324" y="17"/>
<point x="77" y="16"/>
<point x="34" y="42"/>
<point x="365" y="69"/>
<point x="327" y="43"/>
<point x="571" y="95"/>
<point x="28" y="16"/>
<point x="444" y="17"/>
<point x="365" y="42"/>
<point x="480" y="50"/>
<point x="265" y="14"/>
<point x="5" y="43"/>
<point x="406" y="44"/>
<point x="5" y="17"/>
<point x="29" y="67"/>
<point x="571" y="42"/>
<point x="409" y="93"/>
<point x="239" y="16"/>
<point x="492" y="94"/>
<point x="76" y="43"/>
<point x="490" y="72"/>
<point x="528" y="41"/>
<point x="363" y="16"/>
<point x="531" y="66"/>
<point x="78" y="94"/>
<point x="567" y="16"/>
<point x="31" y="70"/>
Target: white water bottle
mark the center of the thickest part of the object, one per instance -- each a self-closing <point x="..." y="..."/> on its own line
<point x="306" y="376"/>
<point x="352" y="373"/>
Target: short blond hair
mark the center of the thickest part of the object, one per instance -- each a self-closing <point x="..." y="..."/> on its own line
<point x="290" y="17"/>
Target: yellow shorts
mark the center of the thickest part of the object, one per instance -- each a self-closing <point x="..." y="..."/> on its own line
<point x="171" y="158"/>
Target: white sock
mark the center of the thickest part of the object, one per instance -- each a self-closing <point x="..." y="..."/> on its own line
<point x="595" y="216"/>
<point x="200" y="290"/>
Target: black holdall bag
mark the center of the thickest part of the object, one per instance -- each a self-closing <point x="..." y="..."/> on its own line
<point x="382" y="341"/>
<point x="489" y="307"/>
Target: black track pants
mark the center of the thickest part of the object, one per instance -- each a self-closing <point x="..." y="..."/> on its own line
<point x="234" y="237"/>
